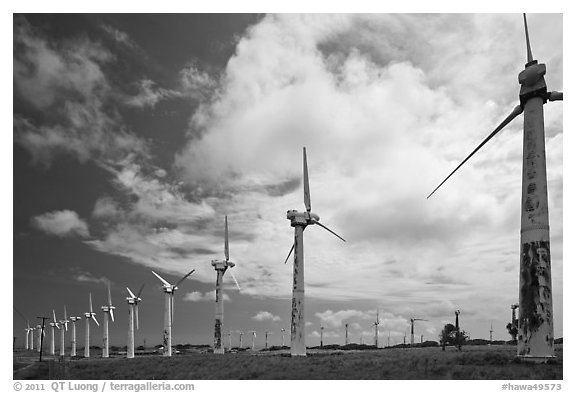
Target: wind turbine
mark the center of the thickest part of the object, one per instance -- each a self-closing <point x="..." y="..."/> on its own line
<point x="41" y="333"/>
<point x="412" y="329"/>
<point x="169" y="290"/>
<point x="282" y="330"/>
<point x="346" y="335"/>
<point x="108" y="310"/>
<point x="300" y="220"/>
<point x="253" y="332"/>
<point x="63" y="331"/>
<point x="28" y="330"/>
<point x="54" y="325"/>
<point x="376" y="323"/>
<point x="457" y="314"/>
<point x="240" y="341"/>
<point x="133" y="301"/>
<point x="89" y="316"/>
<point x="73" y="339"/>
<point x="536" y="330"/>
<point x="221" y="267"/>
<point x="491" y="331"/>
<point x="229" y="340"/>
<point x="321" y="336"/>
<point x="266" y="338"/>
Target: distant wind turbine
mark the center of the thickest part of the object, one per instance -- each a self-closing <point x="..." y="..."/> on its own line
<point x="412" y="329"/>
<point x="63" y="322"/>
<point x="73" y="339"/>
<point x="133" y="301"/>
<point x="108" y="310"/>
<point x="376" y="323"/>
<point x="89" y="316"/>
<point x="300" y="220"/>
<point x="54" y="325"/>
<point x="536" y="322"/>
<point x="169" y="290"/>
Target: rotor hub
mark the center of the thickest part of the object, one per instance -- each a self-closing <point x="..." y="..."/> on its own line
<point x="301" y="218"/>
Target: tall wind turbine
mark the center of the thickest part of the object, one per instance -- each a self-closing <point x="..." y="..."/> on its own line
<point x="133" y="301"/>
<point x="32" y="330"/>
<point x="27" y="342"/>
<point x="73" y="339"/>
<point x="300" y="220"/>
<point x="376" y="323"/>
<point x="412" y="329"/>
<point x="63" y="332"/>
<point x="536" y="330"/>
<point x="54" y="325"/>
<point x="169" y="290"/>
<point x="41" y="333"/>
<point x="89" y="316"/>
<point x="108" y="310"/>
<point x="221" y="267"/>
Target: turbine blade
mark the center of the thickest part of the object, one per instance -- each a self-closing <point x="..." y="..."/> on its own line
<point x="517" y="110"/>
<point x="54" y="315"/>
<point x="90" y="297"/>
<point x="140" y="291"/>
<point x="185" y="277"/>
<point x="555" y="96"/>
<point x="94" y="318"/>
<point x="136" y="312"/>
<point x="290" y="253"/>
<point x="112" y="314"/>
<point x="235" y="281"/>
<point x="329" y="230"/>
<point x="306" y="184"/>
<point x="226" y="247"/>
<point x="109" y="295"/>
<point x="528" y="50"/>
<point x="130" y="292"/>
<point x="65" y="314"/>
<point x="161" y="279"/>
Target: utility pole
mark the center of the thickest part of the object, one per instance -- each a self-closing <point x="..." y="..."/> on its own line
<point x="42" y="335"/>
<point x="458" y="344"/>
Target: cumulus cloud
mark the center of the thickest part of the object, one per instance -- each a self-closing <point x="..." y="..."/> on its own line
<point x="61" y="223"/>
<point x="83" y="276"/>
<point x="196" y="296"/>
<point x="119" y="36"/>
<point x="266" y="316"/>
<point x="335" y="319"/>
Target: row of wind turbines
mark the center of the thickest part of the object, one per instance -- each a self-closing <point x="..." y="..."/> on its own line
<point x="536" y="335"/>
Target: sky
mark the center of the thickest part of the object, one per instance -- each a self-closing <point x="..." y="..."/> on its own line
<point x="135" y="135"/>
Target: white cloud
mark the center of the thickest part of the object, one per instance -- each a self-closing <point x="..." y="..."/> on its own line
<point x="149" y="95"/>
<point x="335" y="319"/>
<point x="61" y="223"/>
<point x="266" y="316"/>
<point x="83" y="276"/>
<point x="196" y="296"/>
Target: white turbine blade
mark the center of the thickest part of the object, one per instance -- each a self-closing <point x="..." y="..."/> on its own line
<point x="112" y="314"/>
<point x="54" y="315"/>
<point x="140" y="291"/>
<point x="90" y="297"/>
<point x="329" y="230"/>
<point x="515" y="112"/>
<point x="235" y="281"/>
<point x="65" y="314"/>
<point x="109" y="296"/>
<point x="185" y="277"/>
<point x="290" y="253"/>
<point x="136" y="312"/>
<point x="528" y="50"/>
<point x="161" y="279"/>
<point x="130" y="292"/>
<point x="94" y="318"/>
<point x="306" y="183"/>
<point x="226" y="247"/>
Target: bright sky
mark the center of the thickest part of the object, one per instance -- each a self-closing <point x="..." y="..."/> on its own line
<point x="135" y="135"/>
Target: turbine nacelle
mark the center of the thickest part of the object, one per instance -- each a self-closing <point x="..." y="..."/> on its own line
<point x="222" y="265"/>
<point x="302" y="218"/>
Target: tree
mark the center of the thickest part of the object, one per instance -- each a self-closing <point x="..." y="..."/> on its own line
<point x="449" y="336"/>
<point x="513" y="330"/>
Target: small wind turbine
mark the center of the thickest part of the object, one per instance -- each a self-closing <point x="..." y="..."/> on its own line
<point x="536" y="322"/>
<point x="253" y="332"/>
<point x="346" y="335"/>
<point x="169" y="290"/>
<point x="321" y="336"/>
<point x="133" y="301"/>
<point x="282" y="330"/>
<point x="221" y="267"/>
<point x="108" y="310"/>
<point x="376" y="323"/>
<point x="240" y="341"/>
<point x="73" y="339"/>
<point x="89" y="316"/>
<point x="300" y="220"/>
<point x="54" y="325"/>
<point x="63" y="331"/>
<point x="491" y="331"/>
<point x="412" y="329"/>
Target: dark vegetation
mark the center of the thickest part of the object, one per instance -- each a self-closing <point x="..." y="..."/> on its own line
<point x="473" y="362"/>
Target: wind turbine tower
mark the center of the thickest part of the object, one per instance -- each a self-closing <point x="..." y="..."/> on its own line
<point x="346" y="334"/>
<point x="108" y="310"/>
<point x="221" y="267"/>
<point x="266" y="339"/>
<point x="253" y="338"/>
<point x="169" y="290"/>
<point x="491" y="331"/>
<point x="133" y="301"/>
<point x="376" y="323"/>
<point x="321" y="336"/>
<point x="412" y="329"/>
<point x="27" y="330"/>
<point x="300" y="220"/>
<point x="54" y="325"/>
<point x="73" y="339"/>
<point x="89" y="316"/>
<point x="240" y="341"/>
<point x="536" y="322"/>
<point x="282" y="330"/>
<point x="63" y="331"/>
<point x="41" y="333"/>
<point x="458" y="343"/>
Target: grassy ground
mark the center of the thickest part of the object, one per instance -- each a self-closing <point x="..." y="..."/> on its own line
<point x="474" y="362"/>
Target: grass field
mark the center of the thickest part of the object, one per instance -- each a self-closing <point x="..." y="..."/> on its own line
<point x="474" y="362"/>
